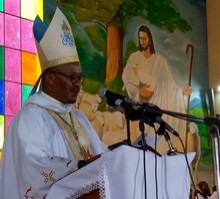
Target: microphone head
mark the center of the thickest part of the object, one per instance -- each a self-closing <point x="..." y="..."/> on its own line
<point x="102" y="92"/>
<point x="112" y="99"/>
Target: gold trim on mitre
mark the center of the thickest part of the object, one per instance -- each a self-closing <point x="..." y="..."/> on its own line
<point x="60" y="61"/>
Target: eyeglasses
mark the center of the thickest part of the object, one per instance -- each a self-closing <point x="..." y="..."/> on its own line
<point x="73" y="77"/>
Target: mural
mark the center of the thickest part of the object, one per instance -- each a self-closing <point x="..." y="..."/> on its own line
<point x="175" y="78"/>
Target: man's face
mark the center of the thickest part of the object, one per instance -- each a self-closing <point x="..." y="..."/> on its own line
<point x="66" y="82"/>
<point x="144" y="40"/>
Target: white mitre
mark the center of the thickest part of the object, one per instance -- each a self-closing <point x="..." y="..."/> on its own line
<point x="55" y="43"/>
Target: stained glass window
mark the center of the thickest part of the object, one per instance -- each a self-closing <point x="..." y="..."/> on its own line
<point x="2" y="97"/>
<point x="18" y="57"/>
<point x="26" y="89"/>
<point x="12" y="98"/>
<point x="29" y="67"/>
<point x="1" y="28"/>
<point x="2" y="125"/>
<point x="12" y="65"/>
<point x="2" y="61"/>
<point x="12" y="31"/>
<point x="27" y="37"/>
<point x="12" y="7"/>
<point x="7" y="121"/>
<point x="1" y="5"/>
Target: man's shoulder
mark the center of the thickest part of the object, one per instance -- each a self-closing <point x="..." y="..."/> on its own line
<point x="135" y="56"/>
<point x="214" y="195"/>
<point x="136" y="53"/>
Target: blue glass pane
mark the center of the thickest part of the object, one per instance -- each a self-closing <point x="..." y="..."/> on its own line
<point x="2" y="97"/>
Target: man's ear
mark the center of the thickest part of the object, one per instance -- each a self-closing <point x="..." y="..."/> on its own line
<point x="48" y="78"/>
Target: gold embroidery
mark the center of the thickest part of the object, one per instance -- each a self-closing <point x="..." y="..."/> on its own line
<point x="48" y="177"/>
<point x="75" y="134"/>
<point x="71" y="125"/>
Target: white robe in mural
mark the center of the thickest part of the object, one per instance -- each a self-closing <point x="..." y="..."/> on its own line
<point x="154" y="72"/>
<point x="36" y="153"/>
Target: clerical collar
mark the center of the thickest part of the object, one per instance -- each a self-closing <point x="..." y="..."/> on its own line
<point x="54" y="100"/>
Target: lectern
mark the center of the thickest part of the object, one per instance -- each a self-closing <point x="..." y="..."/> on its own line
<point x="118" y="174"/>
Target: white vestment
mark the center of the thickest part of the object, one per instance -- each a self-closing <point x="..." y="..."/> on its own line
<point x="214" y="195"/>
<point x="201" y="197"/>
<point x="36" y="153"/>
<point x="154" y="72"/>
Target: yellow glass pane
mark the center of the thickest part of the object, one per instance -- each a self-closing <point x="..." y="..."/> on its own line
<point x="31" y="8"/>
<point x="2" y="132"/>
<point x="27" y="9"/>
<point x="30" y="68"/>
<point x="39" y="9"/>
<point x="38" y="67"/>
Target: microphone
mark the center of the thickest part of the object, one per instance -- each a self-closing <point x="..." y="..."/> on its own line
<point x="132" y="110"/>
<point x="114" y="99"/>
<point x="166" y="126"/>
<point x="135" y="111"/>
<point x="153" y="114"/>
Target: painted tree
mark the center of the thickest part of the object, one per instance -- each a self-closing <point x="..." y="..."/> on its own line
<point x="115" y="14"/>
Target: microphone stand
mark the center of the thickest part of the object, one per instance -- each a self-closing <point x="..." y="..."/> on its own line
<point x="172" y="150"/>
<point x="162" y="131"/>
<point x="127" y="113"/>
<point x="137" y="114"/>
<point x="128" y="132"/>
<point x="214" y="131"/>
<point x="213" y="123"/>
<point x="144" y="144"/>
<point x="124" y="142"/>
<point x="145" y="147"/>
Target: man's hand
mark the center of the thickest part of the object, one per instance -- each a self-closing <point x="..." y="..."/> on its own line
<point x="145" y="91"/>
<point x="187" y="90"/>
<point x="93" y="158"/>
<point x="83" y="163"/>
